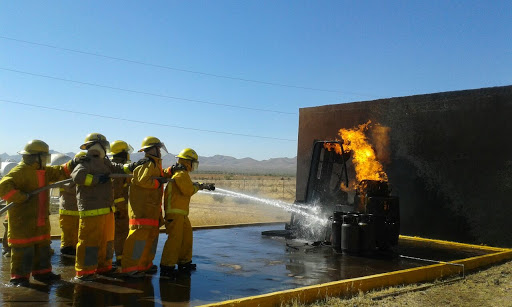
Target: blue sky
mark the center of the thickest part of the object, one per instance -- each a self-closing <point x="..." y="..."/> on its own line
<point x="302" y="53"/>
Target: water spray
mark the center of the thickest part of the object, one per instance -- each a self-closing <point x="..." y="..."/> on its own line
<point x="310" y="212"/>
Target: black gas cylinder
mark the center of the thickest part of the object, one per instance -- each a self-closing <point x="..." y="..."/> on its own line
<point x="337" y="221"/>
<point x="350" y="234"/>
<point x="367" y="239"/>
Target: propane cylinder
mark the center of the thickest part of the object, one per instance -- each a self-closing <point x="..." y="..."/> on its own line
<point x="337" y="221"/>
<point x="350" y="234"/>
<point x="366" y="233"/>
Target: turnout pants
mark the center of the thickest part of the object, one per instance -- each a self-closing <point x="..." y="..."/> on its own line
<point x="121" y="232"/>
<point x="95" y="248"/>
<point x="178" y="246"/>
<point x="139" y="249"/>
<point x="34" y="258"/>
<point x="69" y="230"/>
<point x="5" y="245"/>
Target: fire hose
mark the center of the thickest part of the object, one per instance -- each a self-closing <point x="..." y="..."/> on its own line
<point x="205" y="186"/>
<point x="202" y="186"/>
<point x="37" y="191"/>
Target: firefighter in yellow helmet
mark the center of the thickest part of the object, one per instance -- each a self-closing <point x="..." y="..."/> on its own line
<point x="29" y="225"/>
<point x="120" y="151"/>
<point x="178" y="247"/>
<point x="68" y="216"/>
<point x="95" y="248"/>
<point x="144" y="210"/>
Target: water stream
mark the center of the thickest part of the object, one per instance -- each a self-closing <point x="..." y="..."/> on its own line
<point x="311" y="213"/>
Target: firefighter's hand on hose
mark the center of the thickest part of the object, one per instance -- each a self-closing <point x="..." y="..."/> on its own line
<point x="134" y="165"/>
<point x="103" y="178"/>
<point x="77" y="160"/>
<point x="177" y="167"/>
<point x="161" y="181"/>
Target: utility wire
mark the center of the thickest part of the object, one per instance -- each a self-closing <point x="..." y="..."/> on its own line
<point x="185" y="70"/>
<point x="145" y="122"/>
<point x="147" y="93"/>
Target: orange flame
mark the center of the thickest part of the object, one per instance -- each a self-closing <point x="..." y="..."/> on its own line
<point x="333" y="146"/>
<point x="363" y="155"/>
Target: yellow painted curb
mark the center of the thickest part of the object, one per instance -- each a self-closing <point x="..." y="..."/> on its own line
<point x="353" y="286"/>
<point x="456" y="245"/>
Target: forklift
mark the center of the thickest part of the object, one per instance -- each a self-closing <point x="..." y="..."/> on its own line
<point x="327" y="195"/>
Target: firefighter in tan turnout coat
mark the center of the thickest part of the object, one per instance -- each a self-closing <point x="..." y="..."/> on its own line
<point x="29" y="224"/>
<point x="95" y="248"/>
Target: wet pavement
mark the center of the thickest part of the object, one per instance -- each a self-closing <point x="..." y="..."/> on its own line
<point x="231" y="263"/>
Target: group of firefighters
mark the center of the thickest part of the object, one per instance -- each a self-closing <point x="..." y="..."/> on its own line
<point x="101" y="212"/>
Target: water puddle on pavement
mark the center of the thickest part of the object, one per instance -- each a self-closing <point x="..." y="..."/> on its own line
<point x="231" y="263"/>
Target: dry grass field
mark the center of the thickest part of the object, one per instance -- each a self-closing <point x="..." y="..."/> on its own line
<point x="489" y="287"/>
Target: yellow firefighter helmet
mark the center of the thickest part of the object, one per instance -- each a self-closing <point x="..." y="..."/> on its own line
<point x="120" y="146"/>
<point x="35" y="147"/>
<point x="93" y="138"/>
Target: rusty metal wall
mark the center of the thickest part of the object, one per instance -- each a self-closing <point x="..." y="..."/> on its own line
<point x="450" y="159"/>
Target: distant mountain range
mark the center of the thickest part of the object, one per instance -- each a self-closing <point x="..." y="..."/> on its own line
<point x="217" y="163"/>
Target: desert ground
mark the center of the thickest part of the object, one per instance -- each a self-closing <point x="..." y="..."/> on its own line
<point x="488" y="287"/>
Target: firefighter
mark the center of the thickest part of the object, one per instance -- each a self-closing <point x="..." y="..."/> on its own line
<point x="95" y="248"/>
<point x="120" y="151"/>
<point x="68" y="217"/>
<point x="29" y="225"/>
<point x="178" y="246"/>
<point x="144" y="210"/>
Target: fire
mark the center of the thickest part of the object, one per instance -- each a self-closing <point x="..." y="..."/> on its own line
<point x="333" y="146"/>
<point x="363" y="154"/>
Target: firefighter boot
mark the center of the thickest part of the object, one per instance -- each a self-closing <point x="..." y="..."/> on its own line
<point x="19" y="282"/>
<point x="69" y="251"/>
<point x="152" y="270"/>
<point x="189" y="266"/>
<point x="47" y="277"/>
<point x="167" y="271"/>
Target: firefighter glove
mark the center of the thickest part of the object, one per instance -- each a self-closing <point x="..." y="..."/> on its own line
<point x="161" y="180"/>
<point x="77" y="160"/>
<point x="134" y="165"/>
<point x="177" y="167"/>
<point x="103" y="178"/>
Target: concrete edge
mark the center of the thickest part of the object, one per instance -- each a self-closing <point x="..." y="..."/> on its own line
<point x="353" y="286"/>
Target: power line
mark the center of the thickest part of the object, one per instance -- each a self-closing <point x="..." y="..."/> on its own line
<point x="146" y="93"/>
<point x="186" y="70"/>
<point x="145" y="122"/>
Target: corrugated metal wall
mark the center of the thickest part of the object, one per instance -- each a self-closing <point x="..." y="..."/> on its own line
<point x="450" y="159"/>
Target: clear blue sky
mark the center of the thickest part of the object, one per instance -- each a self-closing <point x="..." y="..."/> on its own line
<point x="343" y="51"/>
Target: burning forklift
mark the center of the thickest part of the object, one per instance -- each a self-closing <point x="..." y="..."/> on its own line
<point x="370" y="222"/>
